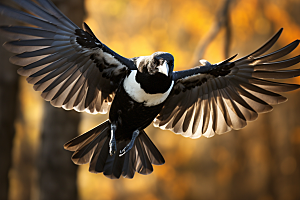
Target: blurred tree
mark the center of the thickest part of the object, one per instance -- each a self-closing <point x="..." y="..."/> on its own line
<point x="57" y="174"/>
<point x="8" y="110"/>
<point x="222" y="21"/>
<point x="259" y="162"/>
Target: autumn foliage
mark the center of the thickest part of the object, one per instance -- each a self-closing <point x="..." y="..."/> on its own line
<point x="261" y="161"/>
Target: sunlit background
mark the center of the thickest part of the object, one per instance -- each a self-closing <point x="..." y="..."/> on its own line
<point x="259" y="162"/>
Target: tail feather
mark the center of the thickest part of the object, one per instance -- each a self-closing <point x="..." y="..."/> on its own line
<point x="129" y="164"/>
<point x="78" y="142"/>
<point x="99" y="158"/>
<point x="84" y="154"/>
<point x="143" y="164"/>
<point x="152" y="152"/>
<point x="93" y="147"/>
<point x="114" y="164"/>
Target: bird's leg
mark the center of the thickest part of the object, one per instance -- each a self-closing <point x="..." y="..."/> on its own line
<point x="130" y="144"/>
<point x="112" y="141"/>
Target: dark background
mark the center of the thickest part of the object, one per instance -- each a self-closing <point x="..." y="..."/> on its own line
<point x="259" y="162"/>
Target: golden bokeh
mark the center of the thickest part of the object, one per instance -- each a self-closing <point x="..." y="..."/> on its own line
<point x="251" y="162"/>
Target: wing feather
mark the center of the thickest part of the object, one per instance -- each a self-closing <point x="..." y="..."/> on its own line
<point x="71" y="67"/>
<point x="215" y="99"/>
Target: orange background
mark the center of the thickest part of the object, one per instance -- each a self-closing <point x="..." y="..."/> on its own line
<point x="261" y="161"/>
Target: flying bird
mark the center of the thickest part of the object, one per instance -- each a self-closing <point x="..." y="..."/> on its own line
<point x="75" y="70"/>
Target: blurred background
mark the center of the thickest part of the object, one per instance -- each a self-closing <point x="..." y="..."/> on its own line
<point x="259" y="162"/>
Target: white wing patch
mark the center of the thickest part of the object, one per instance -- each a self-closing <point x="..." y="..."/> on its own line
<point x="110" y="59"/>
<point x="135" y="91"/>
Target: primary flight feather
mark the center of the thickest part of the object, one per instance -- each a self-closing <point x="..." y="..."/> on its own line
<point x="74" y="70"/>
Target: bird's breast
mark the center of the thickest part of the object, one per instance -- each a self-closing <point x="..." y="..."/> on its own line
<point x="137" y="93"/>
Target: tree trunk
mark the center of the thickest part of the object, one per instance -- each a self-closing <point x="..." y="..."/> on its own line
<point x="57" y="174"/>
<point x="8" y="109"/>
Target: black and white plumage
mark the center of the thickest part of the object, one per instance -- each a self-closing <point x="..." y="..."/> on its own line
<point x="74" y="70"/>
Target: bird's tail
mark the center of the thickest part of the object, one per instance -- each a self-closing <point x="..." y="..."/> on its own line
<point x="92" y="147"/>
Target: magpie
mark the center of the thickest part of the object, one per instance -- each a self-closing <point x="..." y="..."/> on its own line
<point x="75" y="70"/>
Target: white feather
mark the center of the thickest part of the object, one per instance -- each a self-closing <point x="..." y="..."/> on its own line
<point x="135" y="91"/>
<point x="139" y="60"/>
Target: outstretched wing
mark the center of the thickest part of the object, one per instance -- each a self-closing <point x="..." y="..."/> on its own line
<point x="71" y="67"/>
<point x="217" y="98"/>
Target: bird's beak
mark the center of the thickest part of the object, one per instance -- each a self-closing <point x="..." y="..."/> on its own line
<point x="164" y="68"/>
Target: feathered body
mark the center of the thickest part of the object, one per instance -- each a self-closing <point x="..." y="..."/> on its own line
<point x="130" y="114"/>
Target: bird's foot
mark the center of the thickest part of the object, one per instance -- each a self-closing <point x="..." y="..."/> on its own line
<point x="112" y="147"/>
<point x="130" y="144"/>
<point x="112" y="141"/>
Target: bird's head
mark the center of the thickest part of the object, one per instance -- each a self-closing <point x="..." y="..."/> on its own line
<point x="159" y="62"/>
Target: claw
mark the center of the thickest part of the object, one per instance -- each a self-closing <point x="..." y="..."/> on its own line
<point x="112" y="141"/>
<point x="126" y="149"/>
<point x="130" y="144"/>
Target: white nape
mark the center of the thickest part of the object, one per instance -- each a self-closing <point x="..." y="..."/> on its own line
<point x="135" y="91"/>
<point x="140" y="59"/>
